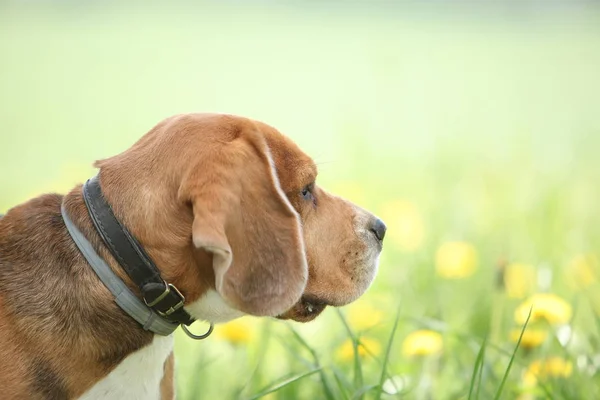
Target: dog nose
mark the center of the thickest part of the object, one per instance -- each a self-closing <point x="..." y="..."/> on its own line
<point x="378" y="228"/>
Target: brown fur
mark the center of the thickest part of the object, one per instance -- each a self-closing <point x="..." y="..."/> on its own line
<point x="167" y="384"/>
<point x="59" y="318"/>
<point x="198" y="193"/>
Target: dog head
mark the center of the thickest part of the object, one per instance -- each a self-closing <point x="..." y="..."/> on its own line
<point x="232" y="214"/>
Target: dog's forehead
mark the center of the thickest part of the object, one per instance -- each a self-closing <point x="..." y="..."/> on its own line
<point x="294" y="167"/>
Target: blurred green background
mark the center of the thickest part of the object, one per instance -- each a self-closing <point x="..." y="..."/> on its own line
<point x="473" y="130"/>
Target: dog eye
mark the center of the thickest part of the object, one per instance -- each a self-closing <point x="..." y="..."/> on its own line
<point x="307" y="193"/>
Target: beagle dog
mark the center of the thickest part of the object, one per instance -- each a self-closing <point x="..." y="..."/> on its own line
<point x="219" y="212"/>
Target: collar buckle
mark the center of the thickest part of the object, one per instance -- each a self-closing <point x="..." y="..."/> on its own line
<point x="169" y="288"/>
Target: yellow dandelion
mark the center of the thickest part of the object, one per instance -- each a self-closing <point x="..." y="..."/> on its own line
<point x="582" y="271"/>
<point x="422" y="343"/>
<point x="455" y="260"/>
<point x="362" y="315"/>
<point x="546" y="306"/>
<point x="239" y="331"/>
<point x="531" y="337"/>
<point x="406" y="227"/>
<point x="366" y="347"/>
<point x="520" y="280"/>
<point x="552" y="367"/>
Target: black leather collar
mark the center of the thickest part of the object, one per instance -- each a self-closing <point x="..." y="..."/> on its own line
<point x="159" y="295"/>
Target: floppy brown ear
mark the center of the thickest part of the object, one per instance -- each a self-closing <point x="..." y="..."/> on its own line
<point x="244" y="219"/>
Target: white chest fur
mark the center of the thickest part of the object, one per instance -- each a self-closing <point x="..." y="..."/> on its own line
<point x="138" y="376"/>
<point x="213" y="308"/>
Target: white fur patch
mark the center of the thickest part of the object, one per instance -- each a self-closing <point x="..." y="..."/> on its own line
<point x="212" y="308"/>
<point x="138" y="376"/>
<point x="286" y="201"/>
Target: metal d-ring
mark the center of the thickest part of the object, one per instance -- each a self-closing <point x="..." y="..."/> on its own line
<point x="198" y="337"/>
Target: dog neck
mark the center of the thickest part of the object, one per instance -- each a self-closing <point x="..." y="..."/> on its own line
<point x="162" y="310"/>
<point x="126" y="300"/>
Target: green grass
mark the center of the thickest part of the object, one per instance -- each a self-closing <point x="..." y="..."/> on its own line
<point x="384" y="368"/>
<point x="477" y="372"/>
<point x="512" y="359"/>
<point x="487" y="124"/>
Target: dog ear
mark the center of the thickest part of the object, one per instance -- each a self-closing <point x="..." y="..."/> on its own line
<point x="243" y="218"/>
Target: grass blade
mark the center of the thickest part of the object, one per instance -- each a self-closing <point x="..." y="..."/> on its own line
<point x="343" y="384"/>
<point x="362" y="391"/>
<point x="505" y="377"/>
<point x="284" y="383"/>
<point x="326" y="386"/>
<point x="358" y="377"/>
<point x="477" y="370"/>
<point x="256" y="374"/>
<point x="296" y="355"/>
<point x="387" y="356"/>
<point x="481" y="371"/>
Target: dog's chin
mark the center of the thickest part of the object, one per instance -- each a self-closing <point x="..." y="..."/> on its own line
<point x="307" y="309"/>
